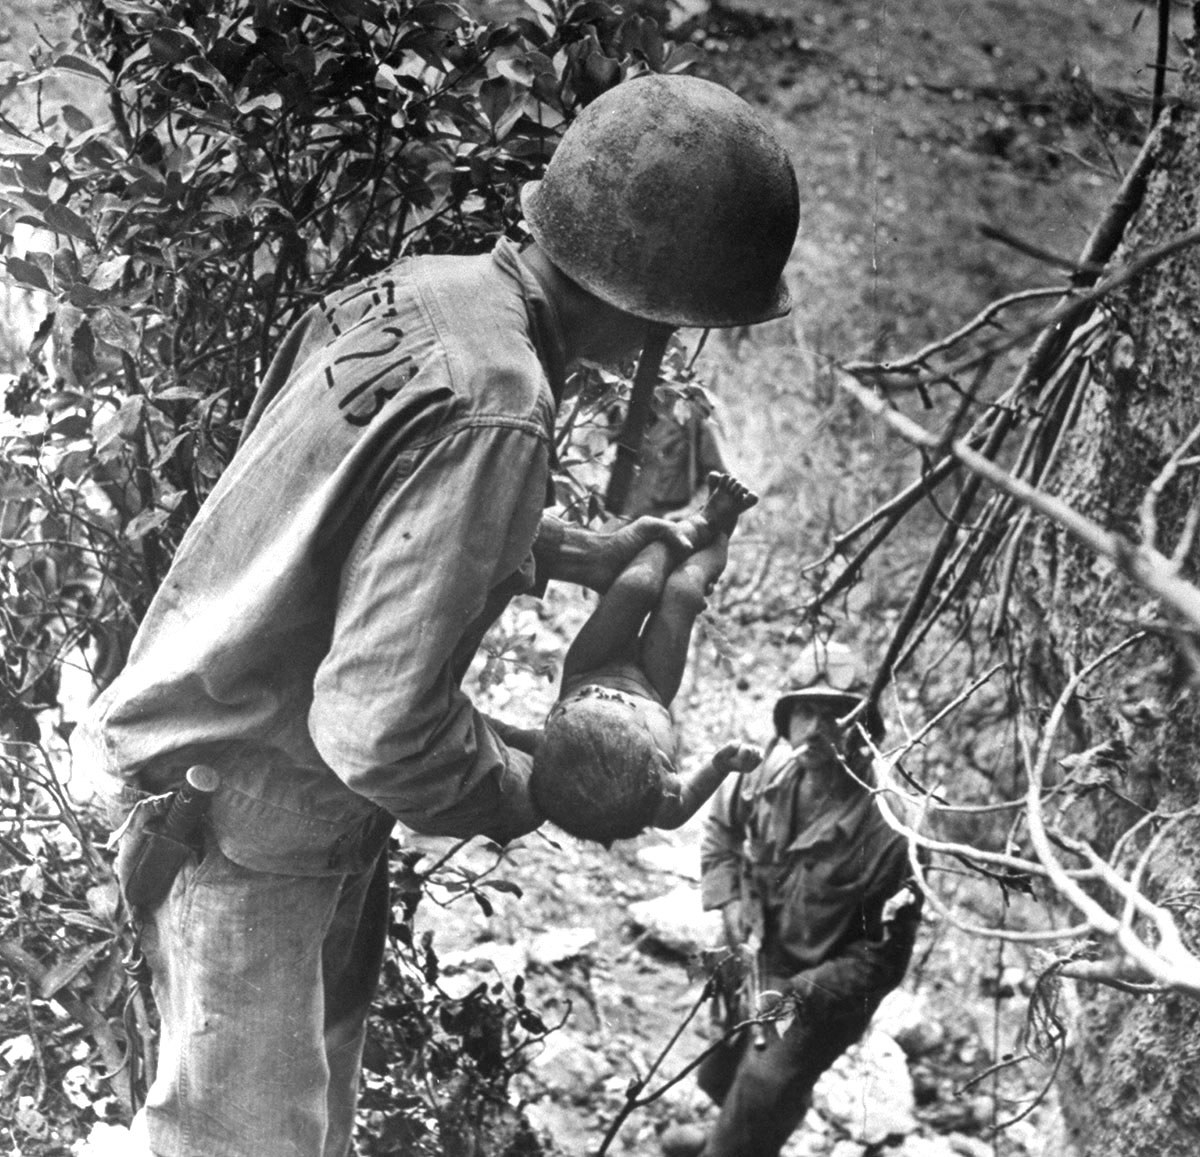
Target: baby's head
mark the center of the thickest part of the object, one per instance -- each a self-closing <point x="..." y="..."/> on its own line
<point x="604" y="764"/>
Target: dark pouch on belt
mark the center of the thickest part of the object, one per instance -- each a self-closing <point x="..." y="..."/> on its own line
<point x="147" y="864"/>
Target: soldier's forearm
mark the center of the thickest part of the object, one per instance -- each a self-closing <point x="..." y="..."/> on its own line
<point x="593" y="558"/>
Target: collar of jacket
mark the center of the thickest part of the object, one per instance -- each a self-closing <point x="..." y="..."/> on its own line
<point x="544" y="325"/>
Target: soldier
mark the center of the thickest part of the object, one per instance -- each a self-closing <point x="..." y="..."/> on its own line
<point x="678" y="454"/>
<point x="309" y="640"/>
<point x="801" y="865"/>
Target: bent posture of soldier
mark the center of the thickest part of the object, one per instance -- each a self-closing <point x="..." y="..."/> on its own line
<point x="384" y="504"/>
<point x="801" y="865"/>
<point x="605" y="769"/>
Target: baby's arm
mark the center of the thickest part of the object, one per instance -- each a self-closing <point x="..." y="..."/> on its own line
<point x="697" y="786"/>
<point x="526" y="739"/>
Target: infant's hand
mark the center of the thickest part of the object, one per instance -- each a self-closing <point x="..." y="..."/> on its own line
<point x="739" y="757"/>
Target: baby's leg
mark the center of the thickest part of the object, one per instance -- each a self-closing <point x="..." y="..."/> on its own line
<point x="668" y="631"/>
<point x="611" y="631"/>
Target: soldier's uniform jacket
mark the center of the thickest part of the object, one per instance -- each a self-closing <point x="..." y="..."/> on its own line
<point x="817" y="879"/>
<point x="309" y="639"/>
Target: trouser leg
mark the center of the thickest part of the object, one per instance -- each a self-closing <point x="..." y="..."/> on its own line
<point x="772" y="1089"/>
<point x="262" y="995"/>
<point x="352" y="960"/>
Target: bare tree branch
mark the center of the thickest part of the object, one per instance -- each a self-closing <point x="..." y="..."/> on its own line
<point x="1142" y="563"/>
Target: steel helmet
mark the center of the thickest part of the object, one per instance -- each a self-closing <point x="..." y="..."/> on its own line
<point x="669" y="199"/>
<point x="832" y="674"/>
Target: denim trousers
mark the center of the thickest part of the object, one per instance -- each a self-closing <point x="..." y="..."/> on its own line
<point x="263" y="983"/>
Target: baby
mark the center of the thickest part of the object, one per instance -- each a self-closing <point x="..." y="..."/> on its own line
<point x="605" y="768"/>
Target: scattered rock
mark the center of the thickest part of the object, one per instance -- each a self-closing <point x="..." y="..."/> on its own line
<point x="908" y="1018"/>
<point x="868" y="1091"/>
<point x="808" y="1143"/>
<point x="676" y="921"/>
<point x="926" y="1147"/>
<point x="566" y="1127"/>
<point x="569" y="1068"/>
<point x="685" y="1101"/>
<point x="559" y="944"/>
<point x="1010" y="982"/>
<point x="682" y="1140"/>
<point x="106" y="1140"/>
<point x="673" y="860"/>
<point x="970" y="1146"/>
<point x="463" y="969"/>
<point x="847" y="1149"/>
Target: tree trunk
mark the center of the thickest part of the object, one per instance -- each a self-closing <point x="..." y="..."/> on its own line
<point x="1131" y="1083"/>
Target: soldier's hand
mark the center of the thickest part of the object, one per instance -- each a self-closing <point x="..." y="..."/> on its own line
<point x="902" y="912"/>
<point x="733" y="924"/>
<point x="616" y="549"/>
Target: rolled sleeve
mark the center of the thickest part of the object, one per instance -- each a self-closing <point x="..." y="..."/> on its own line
<point x="720" y="850"/>
<point x="387" y="713"/>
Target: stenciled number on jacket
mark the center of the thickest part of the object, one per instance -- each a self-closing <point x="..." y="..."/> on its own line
<point x="386" y="381"/>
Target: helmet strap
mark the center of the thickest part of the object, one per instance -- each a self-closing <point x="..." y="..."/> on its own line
<point x="629" y="441"/>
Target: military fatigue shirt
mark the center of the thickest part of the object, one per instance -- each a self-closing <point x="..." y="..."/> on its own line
<point x="309" y="638"/>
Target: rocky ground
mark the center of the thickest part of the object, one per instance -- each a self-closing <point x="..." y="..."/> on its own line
<point x="612" y="940"/>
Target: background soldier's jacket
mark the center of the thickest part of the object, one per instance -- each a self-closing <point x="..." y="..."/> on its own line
<point x="819" y="880"/>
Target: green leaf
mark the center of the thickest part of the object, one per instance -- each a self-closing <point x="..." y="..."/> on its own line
<point x="495" y="98"/>
<point x="544" y="12"/>
<point x="85" y="297"/>
<point x="65" y="971"/>
<point x="36" y="173"/>
<point x="116" y="328"/>
<point x="172" y="45"/>
<point x="70" y="427"/>
<point x="133" y="8"/>
<point x="119" y="427"/>
<point x="27" y="274"/>
<point x="270" y="102"/>
<point x="108" y="273"/>
<point x="82" y="67"/>
<point x="444" y="17"/>
<point x="64" y="220"/>
<point x="508" y="121"/>
<point x="681" y="56"/>
<point x="83" y="348"/>
<point x="168" y="452"/>
<point x="385" y="78"/>
<point x="66" y="266"/>
<point x="198" y="67"/>
<point x="74" y="464"/>
<point x="224" y="206"/>
<point x="75" y="119"/>
<point x="178" y="394"/>
<point x="142" y="524"/>
<point x="41" y="335"/>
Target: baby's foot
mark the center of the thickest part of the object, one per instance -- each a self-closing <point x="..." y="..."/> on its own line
<point x="727" y="498"/>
